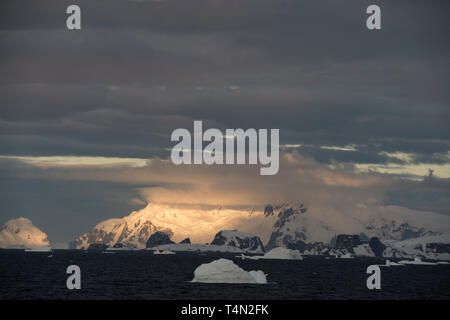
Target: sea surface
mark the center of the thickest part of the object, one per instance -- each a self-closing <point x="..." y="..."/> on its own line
<point x="143" y="275"/>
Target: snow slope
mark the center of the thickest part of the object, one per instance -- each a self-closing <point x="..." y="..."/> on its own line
<point x="21" y="233"/>
<point x="429" y="247"/>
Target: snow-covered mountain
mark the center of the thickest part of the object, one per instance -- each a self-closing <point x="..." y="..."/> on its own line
<point x="132" y="231"/>
<point x="286" y="225"/>
<point x="242" y="240"/>
<point x="198" y="224"/>
<point x="430" y="247"/>
<point x="21" y="233"/>
<point x="293" y="223"/>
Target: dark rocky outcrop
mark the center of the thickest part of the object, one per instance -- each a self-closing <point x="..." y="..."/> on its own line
<point x="239" y="240"/>
<point x="347" y="241"/>
<point x="187" y="241"/>
<point x="157" y="239"/>
<point x="438" y="247"/>
<point x="302" y="246"/>
<point x="377" y="246"/>
<point x="97" y="247"/>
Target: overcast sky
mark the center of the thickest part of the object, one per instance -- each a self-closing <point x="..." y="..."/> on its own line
<point x="73" y="102"/>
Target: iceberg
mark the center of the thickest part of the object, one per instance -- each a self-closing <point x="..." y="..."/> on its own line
<point x="418" y="261"/>
<point x="226" y="271"/>
<point x="391" y="264"/>
<point x="278" y="253"/>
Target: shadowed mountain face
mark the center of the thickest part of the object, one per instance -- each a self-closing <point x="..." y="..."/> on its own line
<point x="241" y="240"/>
<point x="157" y="239"/>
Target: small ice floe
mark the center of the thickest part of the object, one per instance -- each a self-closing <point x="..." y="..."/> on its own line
<point x="418" y="261"/>
<point x="108" y="252"/>
<point x="348" y="255"/>
<point x="391" y="264"/>
<point x="226" y="271"/>
<point x="278" y="253"/>
<point x="50" y="256"/>
<point x="163" y="252"/>
<point x="40" y="249"/>
<point x="243" y="257"/>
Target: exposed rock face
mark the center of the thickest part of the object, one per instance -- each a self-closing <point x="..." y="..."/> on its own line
<point x="377" y="246"/>
<point x="120" y="245"/>
<point x="97" y="247"/>
<point x="241" y="240"/>
<point x="187" y="240"/>
<point x="439" y="247"/>
<point x="347" y="241"/>
<point x="308" y="247"/>
<point x="157" y="239"/>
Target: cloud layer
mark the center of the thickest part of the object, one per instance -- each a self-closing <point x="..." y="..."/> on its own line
<point x="347" y="101"/>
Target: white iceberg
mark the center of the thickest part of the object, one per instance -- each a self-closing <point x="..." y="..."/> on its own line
<point x="391" y="264"/>
<point x="418" y="261"/>
<point x="278" y="253"/>
<point x="226" y="271"/>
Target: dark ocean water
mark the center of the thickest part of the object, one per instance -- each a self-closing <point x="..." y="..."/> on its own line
<point x="142" y="275"/>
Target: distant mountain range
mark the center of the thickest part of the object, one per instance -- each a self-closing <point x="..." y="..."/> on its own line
<point x="292" y="226"/>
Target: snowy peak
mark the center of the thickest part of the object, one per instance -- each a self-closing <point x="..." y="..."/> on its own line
<point x="242" y="240"/>
<point x="21" y="233"/>
<point x="132" y="231"/>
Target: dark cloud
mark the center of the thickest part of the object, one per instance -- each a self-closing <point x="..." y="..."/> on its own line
<point x="139" y="69"/>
